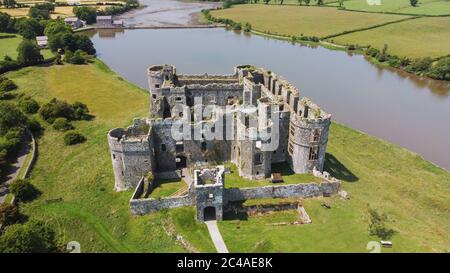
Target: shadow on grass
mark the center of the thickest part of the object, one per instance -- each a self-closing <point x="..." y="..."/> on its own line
<point x="337" y="169"/>
<point x="282" y="168"/>
<point x="235" y="211"/>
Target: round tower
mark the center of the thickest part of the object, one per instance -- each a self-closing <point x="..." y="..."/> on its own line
<point x="308" y="137"/>
<point x="116" y="148"/>
<point x="157" y="74"/>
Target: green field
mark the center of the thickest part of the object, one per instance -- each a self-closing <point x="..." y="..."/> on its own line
<point x="91" y="212"/>
<point x="428" y="36"/>
<point x="413" y="192"/>
<point x="425" y="7"/>
<point x="296" y="20"/>
<point x="8" y="46"/>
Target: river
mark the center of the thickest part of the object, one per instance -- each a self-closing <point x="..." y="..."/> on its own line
<point x="393" y="105"/>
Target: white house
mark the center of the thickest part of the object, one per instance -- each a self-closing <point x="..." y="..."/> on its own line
<point x="42" y="41"/>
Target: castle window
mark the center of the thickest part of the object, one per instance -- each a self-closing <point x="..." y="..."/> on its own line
<point x="163" y="147"/>
<point x="122" y="173"/>
<point x="179" y="147"/>
<point x="290" y="148"/>
<point x="258" y="159"/>
<point x="114" y="156"/>
<point x="315" y="135"/>
<point x="156" y="85"/>
<point x="167" y="77"/>
<point x="314" y="153"/>
<point x="204" y="147"/>
<point x="247" y="121"/>
<point x="154" y="96"/>
<point x="292" y="131"/>
<point x="178" y="98"/>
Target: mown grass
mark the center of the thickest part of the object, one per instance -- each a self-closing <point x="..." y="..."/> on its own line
<point x="233" y="180"/>
<point x="428" y="36"/>
<point x="90" y="212"/>
<point x="297" y="20"/>
<point x="424" y="7"/>
<point x="8" y="47"/>
<point x="413" y="192"/>
<point x="164" y="188"/>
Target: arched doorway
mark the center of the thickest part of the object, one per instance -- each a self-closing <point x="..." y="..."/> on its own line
<point x="209" y="214"/>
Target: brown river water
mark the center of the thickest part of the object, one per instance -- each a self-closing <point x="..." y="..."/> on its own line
<point x="393" y="105"/>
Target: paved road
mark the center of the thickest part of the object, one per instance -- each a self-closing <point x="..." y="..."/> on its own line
<point x="14" y="170"/>
<point x="216" y="236"/>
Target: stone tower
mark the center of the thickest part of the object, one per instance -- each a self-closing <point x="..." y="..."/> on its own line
<point x="308" y="137"/>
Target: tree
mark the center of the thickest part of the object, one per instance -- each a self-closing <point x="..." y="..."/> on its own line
<point x="23" y="190"/>
<point x="87" y="14"/>
<point x="10" y="117"/>
<point x="299" y="2"/>
<point x="28" y="53"/>
<point x="9" y="3"/>
<point x="4" y="22"/>
<point x="9" y="214"/>
<point x="37" y="13"/>
<point x="307" y="2"/>
<point x="55" y="27"/>
<point x="413" y="2"/>
<point x="29" y="28"/>
<point x="55" y="109"/>
<point x="266" y="2"/>
<point x="72" y="138"/>
<point x="32" y="237"/>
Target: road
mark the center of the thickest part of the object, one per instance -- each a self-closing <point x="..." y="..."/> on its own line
<point x="14" y="170"/>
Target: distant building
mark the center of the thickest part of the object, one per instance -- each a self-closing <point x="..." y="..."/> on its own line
<point x="42" y="41"/>
<point x="118" y="23"/>
<point x="74" y="22"/>
<point x="104" y="22"/>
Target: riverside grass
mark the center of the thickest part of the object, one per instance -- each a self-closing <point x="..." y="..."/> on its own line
<point x="413" y="192"/>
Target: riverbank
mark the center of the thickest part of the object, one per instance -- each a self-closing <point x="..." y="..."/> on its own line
<point x="91" y="212"/>
<point x="388" y="34"/>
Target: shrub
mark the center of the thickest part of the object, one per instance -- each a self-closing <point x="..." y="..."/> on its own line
<point x="72" y="138"/>
<point x="81" y="111"/>
<point x="9" y="214"/>
<point x="10" y="117"/>
<point x="227" y="4"/>
<point x="372" y="52"/>
<point x="248" y="27"/>
<point x="29" y="105"/>
<point x="23" y="190"/>
<point x="377" y="225"/>
<point x="440" y="70"/>
<point x="62" y="124"/>
<point x="419" y="65"/>
<point x="55" y="109"/>
<point x="7" y="84"/>
<point x="32" y="237"/>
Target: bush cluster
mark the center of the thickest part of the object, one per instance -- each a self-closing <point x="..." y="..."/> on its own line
<point x="61" y="109"/>
<point x="72" y="138"/>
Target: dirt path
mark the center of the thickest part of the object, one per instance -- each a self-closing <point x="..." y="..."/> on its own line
<point x="216" y="237"/>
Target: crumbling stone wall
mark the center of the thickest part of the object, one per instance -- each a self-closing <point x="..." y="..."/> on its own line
<point x="281" y="191"/>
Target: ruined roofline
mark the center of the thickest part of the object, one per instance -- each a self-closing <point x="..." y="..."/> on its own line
<point x="131" y="133"/>
<point x="313" y="111"/>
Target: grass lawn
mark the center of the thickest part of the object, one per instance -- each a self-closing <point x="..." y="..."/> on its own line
<point x="413" y="192"/>
<point x="296" y="20"/>
<point x="91" y="212"/>
<point x="413" y="38"/>
<point x="233" y="180"/>
<point x="164" y="188"/>
<point x="425" y="7"/>
<point x="8" y="46"/>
